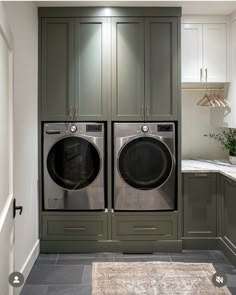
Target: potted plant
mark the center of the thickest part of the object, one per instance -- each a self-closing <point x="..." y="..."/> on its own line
<point x="228" y="140"/>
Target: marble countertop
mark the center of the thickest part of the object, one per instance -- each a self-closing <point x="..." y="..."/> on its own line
<point x="203" y="166"/>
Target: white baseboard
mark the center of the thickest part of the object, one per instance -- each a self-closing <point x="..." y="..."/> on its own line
<point x="29" y="264"/>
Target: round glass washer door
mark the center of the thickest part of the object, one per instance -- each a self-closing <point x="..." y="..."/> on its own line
<point x="73" y="163"/>
<point x="145" y="163"/>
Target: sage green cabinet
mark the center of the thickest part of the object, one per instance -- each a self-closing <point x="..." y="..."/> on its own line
<point x="74" y="227"/>
<point x="161" y="49"/>
<point x="128" y="68"/>
<point x="74" y="69"/>
<point x="200" y="209"/>
<point x="57" y="75"/>
<point x="144" y="68"/>
<point x="228" y="217"/>
<point x="159" y="226"/>
<point x="91" y="68"/>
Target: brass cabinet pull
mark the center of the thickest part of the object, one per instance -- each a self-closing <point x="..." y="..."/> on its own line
<point x="74" y="228"/>
<point x="206" y="74"/>
<point x="201" y="75"/>
<point x="147" y="110"/>
<point x="145" y="228"/>
<point x="201" y="174"/>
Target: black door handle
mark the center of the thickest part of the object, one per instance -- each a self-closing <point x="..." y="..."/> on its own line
<point x="16" y="208"/>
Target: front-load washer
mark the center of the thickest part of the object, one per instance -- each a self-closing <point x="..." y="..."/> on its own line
<point x="144" y="166"/>
<point x="73" y="166"/>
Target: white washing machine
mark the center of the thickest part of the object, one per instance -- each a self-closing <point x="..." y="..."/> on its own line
<point x="144" y="166"/>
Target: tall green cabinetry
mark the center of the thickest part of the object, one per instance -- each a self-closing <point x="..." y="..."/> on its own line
<point x="116" y="64"/>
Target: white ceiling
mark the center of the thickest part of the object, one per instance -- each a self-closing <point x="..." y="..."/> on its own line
<point x="188" y="7"/>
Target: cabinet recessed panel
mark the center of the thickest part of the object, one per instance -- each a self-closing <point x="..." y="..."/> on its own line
<point x="191" y="51"/>
<point x="57" y="70"/>
<point x="214" y="52"/>
<point x="199" y="205"/>
<point x="89" y="71"/>
<point x="160" y="68"/>
<point x="229" y="205"/>
<point x="128" y="68"/>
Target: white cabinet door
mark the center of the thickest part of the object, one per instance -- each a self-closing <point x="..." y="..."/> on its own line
<point x="191" y="52"/>
<point x="214" y="52"/>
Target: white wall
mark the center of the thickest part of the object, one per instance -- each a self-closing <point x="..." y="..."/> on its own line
<point x="196" y="121"/>
<point x="23" y="20"/>
<point x="6" y="156"/>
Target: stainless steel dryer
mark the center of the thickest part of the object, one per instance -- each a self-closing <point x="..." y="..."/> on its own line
<point x="144" y="166"/>
<point x="73" y="166"/>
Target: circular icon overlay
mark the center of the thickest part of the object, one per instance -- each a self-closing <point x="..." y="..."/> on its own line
<point x="219" y="279"/>
<point x="16" y="279"/>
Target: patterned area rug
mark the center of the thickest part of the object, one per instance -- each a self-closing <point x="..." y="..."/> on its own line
<point x="154" y="278"/>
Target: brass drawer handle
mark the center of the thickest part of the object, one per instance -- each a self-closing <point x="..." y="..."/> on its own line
<point x="145" y="228"/>
<point x="74" y="228"/>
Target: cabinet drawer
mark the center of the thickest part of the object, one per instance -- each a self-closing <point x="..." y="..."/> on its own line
<point x="74" y="227"/>
<point x="144" y="227"/>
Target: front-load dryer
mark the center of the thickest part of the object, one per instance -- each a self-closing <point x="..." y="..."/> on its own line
<point x="73" y="166"/>
<point x="144" y="166"/>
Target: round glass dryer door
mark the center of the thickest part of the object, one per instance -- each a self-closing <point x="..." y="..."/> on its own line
<point x="145" y="163"/>
<point x="73" y="163"/>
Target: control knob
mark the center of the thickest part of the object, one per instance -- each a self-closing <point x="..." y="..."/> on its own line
<point x="145" y="128"/>
<point x="73" y="128"/>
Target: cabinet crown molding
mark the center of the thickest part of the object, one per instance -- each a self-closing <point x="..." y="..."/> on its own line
<point x="109" y="11"/>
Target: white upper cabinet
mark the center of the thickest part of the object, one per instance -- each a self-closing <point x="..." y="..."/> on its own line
<point x="214" y="52"/>
<point x="191" y="49"/>
<point x="204" y="50"/>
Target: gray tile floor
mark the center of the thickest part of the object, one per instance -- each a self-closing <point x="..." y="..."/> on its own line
<point x="71" y="274"/>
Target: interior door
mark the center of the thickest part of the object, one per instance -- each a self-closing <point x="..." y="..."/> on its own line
<point x="7" y="231"/>
<point x="128" y="69"/>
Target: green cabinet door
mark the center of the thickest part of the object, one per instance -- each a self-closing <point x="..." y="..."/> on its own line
<point x="57" y="74"/>
<point x="161" y="75"/>
<point x="200" y="205"/>
<point x="228" y="226"/>
<point x="128" y="68"/>
<point x="91" y="68"/>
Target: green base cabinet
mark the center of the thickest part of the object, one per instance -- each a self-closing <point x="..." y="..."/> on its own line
<point x="199" y="202"/>
<point x="141" y="227"/>
<point x="228" y="215"/>
<point x="72" y="228"/>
